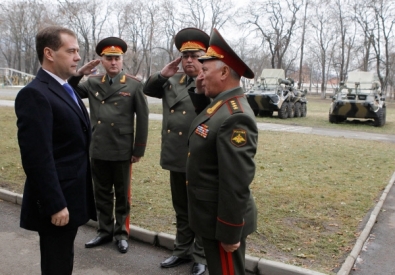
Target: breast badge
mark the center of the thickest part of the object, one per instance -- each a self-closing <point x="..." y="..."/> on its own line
<point x="202" y="130"/>
<point x="124" y="94"/>
<point x="239" y="137"/>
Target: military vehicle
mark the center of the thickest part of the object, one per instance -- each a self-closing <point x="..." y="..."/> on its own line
<point x="360" y="97"/>
<point x="275" y="93"/>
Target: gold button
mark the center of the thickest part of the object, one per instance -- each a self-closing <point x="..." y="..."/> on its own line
<point x="102" y="102"/>
<point x="171" y="111"/>
<point x="168" y="131"/>
<point x="115" y="103"/>
<point x="186" y="183"/>
<point x="180" y="133"/>
<point x="184" y="112"/>
<point x="189" y="153"/>
<point x="99" y="122"/>
<point x="112" y="124"/>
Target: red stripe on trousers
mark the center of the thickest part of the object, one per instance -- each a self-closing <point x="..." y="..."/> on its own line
<point x="226" y="261"/>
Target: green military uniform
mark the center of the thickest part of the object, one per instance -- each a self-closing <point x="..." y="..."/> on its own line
<point x="115" y="139"/>
<point x="220" y="166"/>
<point x="178" y="113"/>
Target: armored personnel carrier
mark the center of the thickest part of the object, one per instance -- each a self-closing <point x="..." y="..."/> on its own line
<point x="274" y="93"/>
<point x="360" y="97"/>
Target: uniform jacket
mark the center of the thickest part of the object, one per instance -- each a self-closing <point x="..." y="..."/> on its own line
<point x="178" y="114"/>
<point x="220" y="168"/>
<point x="112" y="112"/>
<point x="53" y="135"/>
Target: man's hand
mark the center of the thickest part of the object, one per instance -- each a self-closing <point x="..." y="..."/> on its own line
<point x="61" y="218"/>
<point x="230" y="247"/>
<point x="170" y="69"/>
<point x="198" y="81"/>
<point x="135" y="159"/>
<point x="88" y="68"/>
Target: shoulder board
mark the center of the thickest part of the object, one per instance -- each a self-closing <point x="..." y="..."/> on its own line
<point x="133" y="77"/>
<point x="234" y="105"/>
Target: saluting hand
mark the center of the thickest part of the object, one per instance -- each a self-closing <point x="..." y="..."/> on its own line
<point x="230" y="247"/>
<point x="61" y="218"/>
<point x="199" y="83"/>
<point x="88" y="68"/>
<point x="170" y="69"/>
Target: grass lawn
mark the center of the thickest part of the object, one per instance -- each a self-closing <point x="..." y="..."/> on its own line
<point x="312" y="192"/>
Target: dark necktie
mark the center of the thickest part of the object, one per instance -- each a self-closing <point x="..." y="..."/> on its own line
<point x="110" y="81"/>
<point x="190" y="80"/>
<point x="70" y="91"/>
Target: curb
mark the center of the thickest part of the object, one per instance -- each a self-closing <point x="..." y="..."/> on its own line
<point x="255" y="265"/>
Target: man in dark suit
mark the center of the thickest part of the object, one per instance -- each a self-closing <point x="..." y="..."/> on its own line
<point x="116" y="101"/>
<point x="178" y="113"/>
<point x="220" y="166"/>
<point x="54" y="135"/>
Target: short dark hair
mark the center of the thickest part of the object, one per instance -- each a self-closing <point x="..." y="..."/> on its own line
<point x="50" y="37"/>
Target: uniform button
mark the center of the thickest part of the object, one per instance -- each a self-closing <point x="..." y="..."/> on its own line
<point x="99" y="122"/>
<point x="186" y="183"/>
<point x="180" y="133"/>
<point x="171" y="111"/>
<point x="168" y="131"/>
<point x="184" y="112"/>
<point x="189" y="153"/>
<point x="102" y="102"/>
<point x="112" y="124"/>
<point x="115" y="103"/>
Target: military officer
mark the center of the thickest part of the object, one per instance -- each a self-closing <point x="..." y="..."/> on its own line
<point x="115" y="99"/>
<point x="220" y="165"/>
<point x="178" y="112"/>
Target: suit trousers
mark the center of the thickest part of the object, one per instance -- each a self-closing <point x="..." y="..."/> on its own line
<point x="57" y="252"/>
<point x="112" y="178"/>
<point x="220" y="262"/>
<point x="187" y="244"/>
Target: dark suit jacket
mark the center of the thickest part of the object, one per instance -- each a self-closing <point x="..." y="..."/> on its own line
<point x="178" y="114"/>
<point x="53" y="135"/>
<point x="220" y="168"/>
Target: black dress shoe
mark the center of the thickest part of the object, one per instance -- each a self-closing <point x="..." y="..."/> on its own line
<point x="98" y="241"/>
<point x="173" y="261"/>
<point x="122" y="246"/>
<point x="198" y="269"/>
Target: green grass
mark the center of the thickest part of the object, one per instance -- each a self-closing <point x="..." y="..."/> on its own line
<point x="312" y="192"/>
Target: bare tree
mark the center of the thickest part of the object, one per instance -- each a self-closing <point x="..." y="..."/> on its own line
<point x="275" y="24"/>
<point x="324" y="38"/>
<point x="87" y="19"/>
<point x="302" y="45"/>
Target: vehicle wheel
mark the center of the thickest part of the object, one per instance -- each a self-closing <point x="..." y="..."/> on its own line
<point x="256" y="112"/>
<point x="303" y="112"/>
<point x="291" y="110"/>
<point x="298" y="109"/>
<point x="332" y="119"/>
<point x="380" y="119"/>
<point x="283" y="112"/>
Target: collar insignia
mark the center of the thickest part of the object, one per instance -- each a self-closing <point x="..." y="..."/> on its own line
<point x="182" y="80"/>
<point x="214" y="107"/>
<point x="123" y="79"/>
<point x="103" y="79"/>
